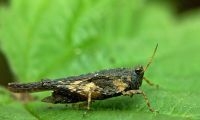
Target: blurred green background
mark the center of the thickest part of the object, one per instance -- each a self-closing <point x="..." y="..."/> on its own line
<point x="58" y="38"/>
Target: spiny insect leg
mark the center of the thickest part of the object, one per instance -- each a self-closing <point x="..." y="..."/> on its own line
<point x="132" y="92"/>
<point x="89" y="100"/>
<point x="147" y="101"/>
<point x="150" y="83"/>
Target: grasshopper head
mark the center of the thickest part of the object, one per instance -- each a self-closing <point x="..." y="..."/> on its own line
<point x="138" y="72"/>
<point x="137" y="76"/>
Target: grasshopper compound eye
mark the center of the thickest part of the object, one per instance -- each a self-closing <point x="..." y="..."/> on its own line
<point x="139" y="70"/>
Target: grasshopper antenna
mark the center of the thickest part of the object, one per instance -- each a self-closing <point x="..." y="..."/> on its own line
<point x="151" y="59"/>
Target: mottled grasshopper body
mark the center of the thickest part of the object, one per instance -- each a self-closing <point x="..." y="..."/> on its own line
<point x="92" y="86"/>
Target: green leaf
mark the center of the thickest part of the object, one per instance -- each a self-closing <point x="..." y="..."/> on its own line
<point x="12" y="110"/>
<point x="61" y="38"/>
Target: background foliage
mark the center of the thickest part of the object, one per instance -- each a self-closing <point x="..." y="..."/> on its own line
<point x="51" y="39"/>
